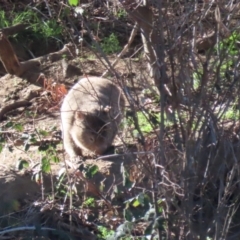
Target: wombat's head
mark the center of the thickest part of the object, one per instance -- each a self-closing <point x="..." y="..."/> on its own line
<point x="90" y="132"/>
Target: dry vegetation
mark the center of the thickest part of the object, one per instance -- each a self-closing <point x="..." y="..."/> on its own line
<point x="175" y="170"/>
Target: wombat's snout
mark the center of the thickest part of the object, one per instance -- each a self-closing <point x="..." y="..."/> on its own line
<point x="101" y="150"/>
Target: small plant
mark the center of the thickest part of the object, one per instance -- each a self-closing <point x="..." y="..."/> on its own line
<point x="147" y="121"/>
<point x="26" y="17"/>
<point x="104" y="233"/>
<point x="230" y="44"/>
<point x="90" y="202"/>
<point x="2" y="141"/>
<point x="90" y="170"/>
<point x="49" y="150"/>
<point x="121" y="13"/>
<point x="51" y="28"/>
<point x="232" y="114"/>
<point x="73" y="3"/>
<point x="197" y="79"/>
<point x="49" y="155"/>
<point x="4" y="22"/>
<point x="110" y="44"/>
<point x="39" y="29"/>
<point x="139" y="208"/>
<point x="22" y="164"/>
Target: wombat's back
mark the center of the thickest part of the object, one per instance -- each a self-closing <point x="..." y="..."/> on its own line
<point x="92" y="106"/>
<point x="94" y="94"/>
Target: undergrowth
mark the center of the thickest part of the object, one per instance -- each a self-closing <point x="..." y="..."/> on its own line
<point x="175" y="175"/>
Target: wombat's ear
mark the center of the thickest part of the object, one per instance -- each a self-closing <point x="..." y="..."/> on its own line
<point x="79" y="115"/>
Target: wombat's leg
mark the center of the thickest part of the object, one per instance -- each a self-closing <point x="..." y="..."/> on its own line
<point x="69" y="145"/>
<point x="72" y="150"/>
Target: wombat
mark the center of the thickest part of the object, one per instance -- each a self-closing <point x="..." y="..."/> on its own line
<point x="91" y="113"/>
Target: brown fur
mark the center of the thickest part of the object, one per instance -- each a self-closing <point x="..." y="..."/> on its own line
<point x="91" y="113"/>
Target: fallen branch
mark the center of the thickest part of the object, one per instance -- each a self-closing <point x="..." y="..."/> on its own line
<point x="13" y="66"/>
<point x="16" y="105"/>
<point x="68" y="51"/>
<point x="8" y="56"/>
<point x="11" y="62"/>
<point x="14" y="29"/>
<point x="13" y="106"/>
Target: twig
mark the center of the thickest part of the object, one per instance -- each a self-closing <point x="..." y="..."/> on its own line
<point x="14" y="29"/>
<point x="13" y="106"/>
<point x="124" y="154"/>
<point x="24" y="229"/>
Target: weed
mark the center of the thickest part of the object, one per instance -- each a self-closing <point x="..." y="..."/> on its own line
<point x="121" y="13"/>
<point x="90" y="202"/>
<point x="39" y="30"/>
<point x="196" y="79"/>
<point x="110" y="44"/>
<point x="26" y="17"/>
<point x="231" y="114"/>
<point x="73" y="3"/>
<point x="229" y="44"/>
<point x="2" y="141"/>
<point x="4" y="22"/>
<point x="91" y="170"/>
<point x="147" y="121"/>
<point x="51" y="28"/>
<point x="22" y="163"/>
<point x="104" y="232"/>
<point x="140" y="208"/>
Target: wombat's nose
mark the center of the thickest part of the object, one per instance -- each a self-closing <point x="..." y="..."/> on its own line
<point x="101" y="149"/>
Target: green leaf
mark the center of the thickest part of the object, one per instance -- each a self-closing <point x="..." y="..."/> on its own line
<point x="18" y="127"/>
<point x="159" y="223"/>
<point x="73" y="3"/>
<point x="91" y="170"/>
<point x="43" y="133"/>
<point x="149" y="229"/>
<point x="46" y="167"/>
<point x="128" y="215"/>
<point x="21" y="164"/>
<point x="44" y="147"/>
<point x="9" y="124"/>
<point x="136" y="203"/>
<point x="26" y="146"/>
<point x="2" y="138"/>
<point x="55" y="159"/>
<point x="89" y="202"/>
<point x="104" y="232"/>
<point x="33" y="138"/>
<point x="10" y="148"/>
<point x="53" y="128"/>
<point x="141" y="198"/>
